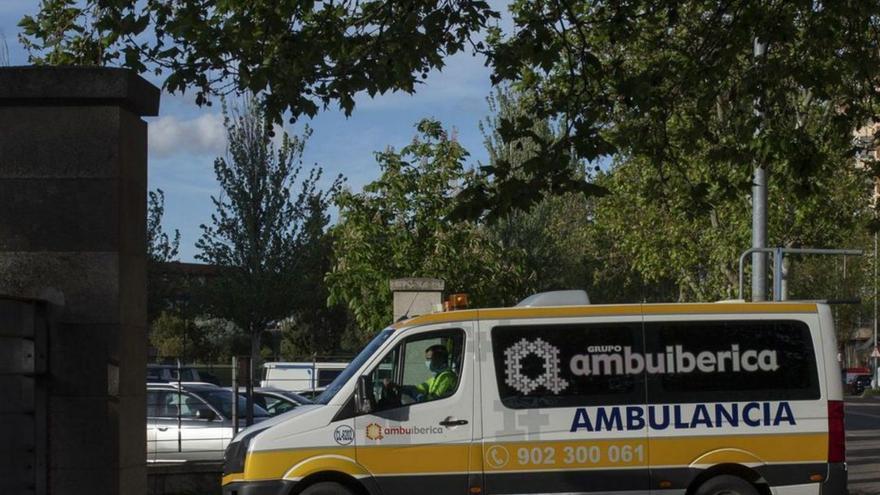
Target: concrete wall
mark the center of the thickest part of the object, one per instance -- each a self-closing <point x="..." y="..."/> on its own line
<point x="73" y="179"/>
<point x="415" y="296"/>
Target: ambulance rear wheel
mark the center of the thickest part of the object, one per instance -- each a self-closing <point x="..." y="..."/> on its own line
<point x="326" y="488"/>
<point x="726" y="484"/>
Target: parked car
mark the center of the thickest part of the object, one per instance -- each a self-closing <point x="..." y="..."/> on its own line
<point x="311" y="393"/>
<point x="859" y="385"/>
<point x="276" y="401"/>
<point x="167" y="373"/>
<point x="191" y="423"/>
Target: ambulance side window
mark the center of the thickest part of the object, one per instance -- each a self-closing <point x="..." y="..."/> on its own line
<point x="407" y="376"/>
<point x="568" y="365"/>
<point x="726" y="361"/>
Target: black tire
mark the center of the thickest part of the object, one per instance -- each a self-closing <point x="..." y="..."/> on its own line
<point x="326" y="488"/>
<point x="726" y="484"/>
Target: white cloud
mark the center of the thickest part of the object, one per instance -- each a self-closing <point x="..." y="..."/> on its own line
<point x="203" y="135"/>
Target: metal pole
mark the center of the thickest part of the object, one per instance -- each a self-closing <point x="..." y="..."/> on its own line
<point x="179" y="405"/>
<point x="249" y="390"/>
<point x="759" y="208"/>
<point x="782" y="252"/>
<point x="234" y="396"/>
<point x="875" y="378"/>
<point x="777" y="274"/>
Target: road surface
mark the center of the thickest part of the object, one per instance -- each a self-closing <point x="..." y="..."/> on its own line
<point x="863" y="445"/>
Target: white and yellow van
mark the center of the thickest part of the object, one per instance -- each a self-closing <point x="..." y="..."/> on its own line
<point x="716" y="398"/>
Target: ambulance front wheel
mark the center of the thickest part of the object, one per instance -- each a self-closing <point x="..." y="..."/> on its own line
<point x="326" y="488"/>
<point x="726" y="484"/>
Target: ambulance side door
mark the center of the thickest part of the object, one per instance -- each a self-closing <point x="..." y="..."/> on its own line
<point x="549" y="429"/>
<point x="411" y="440"/>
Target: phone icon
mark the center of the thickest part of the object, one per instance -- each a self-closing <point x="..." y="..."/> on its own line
<point x="497" y="456"/>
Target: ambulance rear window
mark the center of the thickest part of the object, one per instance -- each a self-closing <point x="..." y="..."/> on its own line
<point x="729" y="361"/>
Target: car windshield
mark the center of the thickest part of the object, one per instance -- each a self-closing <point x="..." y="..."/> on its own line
<point x="299" y="399"/>
<point x="353" y="366"/>
<point x="222" y="401"/>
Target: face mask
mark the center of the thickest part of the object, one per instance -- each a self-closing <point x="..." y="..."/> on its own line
<point x="428" y="365"/>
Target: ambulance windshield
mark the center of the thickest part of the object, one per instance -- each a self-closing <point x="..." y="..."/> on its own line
<point x="353" y="366"/>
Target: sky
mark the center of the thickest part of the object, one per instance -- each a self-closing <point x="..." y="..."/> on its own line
<point x="185" y="139"/>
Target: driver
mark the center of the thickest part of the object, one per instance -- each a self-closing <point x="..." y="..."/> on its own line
<point x="440" y="385"/>
<point x="444" y="379"/>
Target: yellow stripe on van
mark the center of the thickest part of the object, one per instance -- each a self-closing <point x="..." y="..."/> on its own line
<point x="377" y="460"/>
<point x="609" y="310"/>
<point x="669" y="451"/>
<point x="729" y="308"/>
<point x="273" y="464"/>
<point x="411" y="459"/>
<point x="232" y="478"/>
<point x="712" y="449"/>
<point x="682" y="451"/>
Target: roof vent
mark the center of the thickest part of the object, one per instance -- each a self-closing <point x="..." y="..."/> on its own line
<point x="556" y="298"/>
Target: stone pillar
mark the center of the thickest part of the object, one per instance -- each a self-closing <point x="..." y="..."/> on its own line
<point x="415" y="296"/>
<point x="73" y="180"/>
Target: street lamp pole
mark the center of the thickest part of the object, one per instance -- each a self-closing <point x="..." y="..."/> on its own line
<point x="875" y="378"/>
<point x="759" y="208"/>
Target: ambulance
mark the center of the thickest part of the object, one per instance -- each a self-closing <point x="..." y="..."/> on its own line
<point x="557" y="395"/>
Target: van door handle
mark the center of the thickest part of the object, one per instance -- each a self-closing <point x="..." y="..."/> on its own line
<point x="453" y="422"/>
<point x="162" y="428"/>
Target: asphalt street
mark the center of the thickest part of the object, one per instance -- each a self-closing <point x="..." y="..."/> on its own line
<point x="863" y="445"/>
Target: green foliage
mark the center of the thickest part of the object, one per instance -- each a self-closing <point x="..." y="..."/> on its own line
<point x="397" y="228"/>
<point x="160" y="247"/>
<point x="69" y="32"/>
<point x="174" y="337"/>
<point x="670" y="82"/>
<point x="696" y="241"/>
<point x="400" y="226"/>
<point x="301" y="55"/>
<point x="220" y="340"/>
<point x="162" y="289"/>
<point x="544" y="248"/>
<point x="315" y="327"/>
<point x="258" y="230"/>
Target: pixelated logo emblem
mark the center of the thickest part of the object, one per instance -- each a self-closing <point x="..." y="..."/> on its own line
<point x="374" y="431"/>
<point x="549" y="379"/>
<point x="343" y="435"/>
<point x="497" y="456"/>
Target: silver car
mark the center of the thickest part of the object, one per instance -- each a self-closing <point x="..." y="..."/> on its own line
<point x="192" y="423"/>
<point x="275" y="400"/>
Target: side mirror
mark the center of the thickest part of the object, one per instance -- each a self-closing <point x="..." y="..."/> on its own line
<point x="362" y="396"/>
<point x="206" y="414"/>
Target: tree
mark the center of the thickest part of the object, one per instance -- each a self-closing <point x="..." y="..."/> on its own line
<point x="162" y="291"/>
<point x="160" y="247"/>
<point x="546" y="247"/>
<point x="66" y="32"/>
<point x="219" y="339"/>
<point x="397" y="227"/>
<point x="316" y="328"/>
<point x="556" y="244"/>
<point x="696" y="241"/>
<point x="256" y="233"/>
<point x="300" y="55"/>
<point x="666" y="81"/>
<point x="174" y="337"/>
